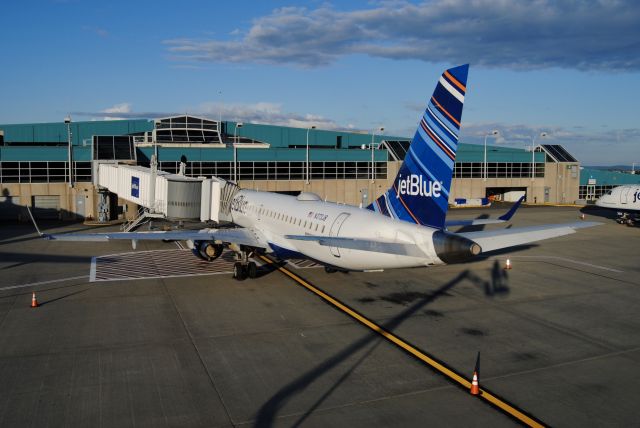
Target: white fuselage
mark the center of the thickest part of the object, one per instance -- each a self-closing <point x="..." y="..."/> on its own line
<point x="622" y="198"/>
<point x="275" y="216"/>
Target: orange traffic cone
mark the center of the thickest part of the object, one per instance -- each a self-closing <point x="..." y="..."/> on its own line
<point x="508" y="264"/>
<point x="34" y="301"/>
<point x="475" y="386"/>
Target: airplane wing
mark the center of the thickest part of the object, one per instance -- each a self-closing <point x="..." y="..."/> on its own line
<point x="399" y="248"/>
<point x="240" y="236"/>
<point x="491" y="240"/>
<point x="478" y="221"/>
<point x="247" y="237"/>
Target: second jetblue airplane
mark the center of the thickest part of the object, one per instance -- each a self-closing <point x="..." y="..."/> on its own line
<point x="405" y="227"/>
<point x="626" y="201"/>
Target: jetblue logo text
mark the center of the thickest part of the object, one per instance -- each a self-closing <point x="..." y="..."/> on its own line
<point x="135" y="187"/>
<point x="636" y="197"/>
<point x="415" y="185"/>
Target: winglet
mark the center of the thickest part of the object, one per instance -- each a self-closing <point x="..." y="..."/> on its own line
<point x="43" y="235"/>
<point x="507" y="216"/>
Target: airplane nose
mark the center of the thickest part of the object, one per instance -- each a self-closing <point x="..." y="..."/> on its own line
<point x="452" y="248"/>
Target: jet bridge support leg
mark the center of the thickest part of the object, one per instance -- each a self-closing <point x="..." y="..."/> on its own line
<point x="103" y="206"/>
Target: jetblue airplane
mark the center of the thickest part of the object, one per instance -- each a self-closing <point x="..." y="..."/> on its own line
<point x="405" y="227"/>
<point x="625" y="200"/>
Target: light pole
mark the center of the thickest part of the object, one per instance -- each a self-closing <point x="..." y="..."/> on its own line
<point x="308" y="129"/>
<point x="373" y="172"/>
<point x="220" y="112"/>
<point x="235" y="154"/>
<point x="67" y="120"/>
<point x="533" y="154"/>
<point x="494" y="133"/>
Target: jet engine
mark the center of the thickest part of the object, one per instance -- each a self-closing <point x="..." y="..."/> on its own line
<point x="207" y="250"/>
<point x="452" y="248"/>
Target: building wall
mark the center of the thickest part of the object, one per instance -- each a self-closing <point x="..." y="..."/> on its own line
<point x="22" y="193"/>
<point x="341" y="191"/>
<point x="563" y="180"/>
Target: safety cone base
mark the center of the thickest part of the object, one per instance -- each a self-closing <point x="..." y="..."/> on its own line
<point x="34" y="301"/>
<point x="475" y="388"/>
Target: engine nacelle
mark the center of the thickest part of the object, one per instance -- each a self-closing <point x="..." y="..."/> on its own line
<point x="207" y="250"/>
<point x="452" y="248"/>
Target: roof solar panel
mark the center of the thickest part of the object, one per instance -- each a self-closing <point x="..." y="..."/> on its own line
<point x="565" y="154"/>
<point x="558" y="153"/>
<point x="397" y="148"/>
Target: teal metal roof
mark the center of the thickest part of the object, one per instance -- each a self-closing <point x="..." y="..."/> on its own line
<point x="278" y="137"/>
<point x="607" y="178"/>
<point x="81" y="131"/>
<point x="284" y="136"/>
<point x="475" y="153"/>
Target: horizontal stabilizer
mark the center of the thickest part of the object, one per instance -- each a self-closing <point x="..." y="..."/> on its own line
<point x="480" y="221"/>
<point x="399" y="248"/>
<point x="491" y="240"/>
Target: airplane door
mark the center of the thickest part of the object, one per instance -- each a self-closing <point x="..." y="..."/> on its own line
<point x="624" y="195"/>
<point x="335" y="229"/>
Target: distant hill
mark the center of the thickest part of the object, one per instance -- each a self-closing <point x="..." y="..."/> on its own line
<point x="614" y="168"/>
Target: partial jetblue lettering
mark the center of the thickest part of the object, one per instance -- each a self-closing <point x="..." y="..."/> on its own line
<point x="404" y="227"/>
<point x="414" y="185"/>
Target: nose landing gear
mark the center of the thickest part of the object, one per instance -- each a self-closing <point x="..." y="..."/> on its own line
<point x="244" y="268"/>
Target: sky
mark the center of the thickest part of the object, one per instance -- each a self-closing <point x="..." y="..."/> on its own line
<point x="570" y="69"/>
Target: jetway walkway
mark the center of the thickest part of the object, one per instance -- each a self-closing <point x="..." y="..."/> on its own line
<point x="160" y="194"/>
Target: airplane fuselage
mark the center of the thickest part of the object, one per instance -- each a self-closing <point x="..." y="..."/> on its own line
<point x="622" y="198"/>
<point x="277" y="216"/>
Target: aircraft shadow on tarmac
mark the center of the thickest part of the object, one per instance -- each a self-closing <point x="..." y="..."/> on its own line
<point x="269" y="411"/>
<point x="472" y="228"/>
<point x="21" y="259"/>
<point x="599" y="212"/>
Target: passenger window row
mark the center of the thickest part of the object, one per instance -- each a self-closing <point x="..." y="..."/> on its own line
<point x="316" y="227"/>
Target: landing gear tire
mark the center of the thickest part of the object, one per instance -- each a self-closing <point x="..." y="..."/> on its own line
<point x="328" y="269"/>
<point x="252" y="270"/>
<point x="239" y="271"/>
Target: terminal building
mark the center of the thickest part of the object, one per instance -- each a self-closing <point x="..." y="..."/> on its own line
<point x="52" y="167"/>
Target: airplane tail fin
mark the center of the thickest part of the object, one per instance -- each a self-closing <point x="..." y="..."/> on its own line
<point x="420" y="191"/>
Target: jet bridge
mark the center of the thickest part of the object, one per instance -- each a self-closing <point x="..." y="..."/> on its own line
<point x="164" y="195"/>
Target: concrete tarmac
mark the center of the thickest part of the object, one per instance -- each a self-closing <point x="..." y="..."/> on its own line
<point x="558" y="335"/>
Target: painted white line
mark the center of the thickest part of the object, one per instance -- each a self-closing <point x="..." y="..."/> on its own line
<point x="564" y="259"/>
<point x="138" y="278"/>
<point x="92" y="272"/>
<point x="35" y="284"/>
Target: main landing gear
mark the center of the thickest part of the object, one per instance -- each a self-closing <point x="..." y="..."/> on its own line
<point x="625" y="218"/>
<point x="244" y="268"/>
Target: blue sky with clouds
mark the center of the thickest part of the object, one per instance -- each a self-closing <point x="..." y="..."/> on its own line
<point x="569" y="68"/>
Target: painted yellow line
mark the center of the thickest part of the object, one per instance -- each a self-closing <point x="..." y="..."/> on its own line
<point x="491" y="398"/>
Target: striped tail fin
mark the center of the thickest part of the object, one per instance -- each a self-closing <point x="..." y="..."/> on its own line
<point x="420" y="191"/>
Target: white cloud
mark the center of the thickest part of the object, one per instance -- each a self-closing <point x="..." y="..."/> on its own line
<point x="96" y="30"/>
<point x="117" y="112"/>
<point x="590" y="147"/>
<point x="584" y="35"/>
<point x="266" y="113"/>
